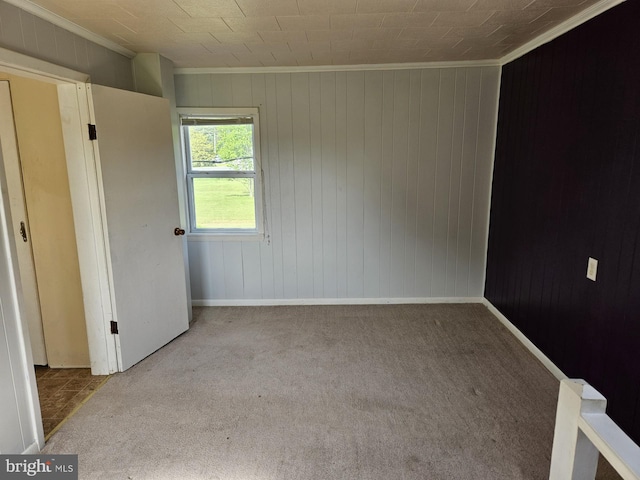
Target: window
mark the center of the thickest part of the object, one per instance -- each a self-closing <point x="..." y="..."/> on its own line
<point x="223" y="174"/>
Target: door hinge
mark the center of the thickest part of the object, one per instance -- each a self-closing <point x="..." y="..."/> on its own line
<point x="114" y="327"/>
<point x="93" y="135"/>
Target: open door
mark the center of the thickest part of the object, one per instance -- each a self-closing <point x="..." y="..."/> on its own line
<point x="22" y="236"/>
<point x="20" y="418"/>
<point x="134" y="152"/>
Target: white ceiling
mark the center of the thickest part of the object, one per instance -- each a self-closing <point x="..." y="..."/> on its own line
<point x="256" y="33"/>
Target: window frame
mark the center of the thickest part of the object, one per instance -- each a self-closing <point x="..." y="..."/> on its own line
<point x="194" y="232"/>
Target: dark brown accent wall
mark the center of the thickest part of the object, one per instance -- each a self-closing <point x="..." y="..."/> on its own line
<point x="567" y="187"/>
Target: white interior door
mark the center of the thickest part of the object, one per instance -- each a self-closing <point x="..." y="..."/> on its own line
<point x="13" y="174"/>
<point x="20" y="420"/>
<point x="135" y="155"/>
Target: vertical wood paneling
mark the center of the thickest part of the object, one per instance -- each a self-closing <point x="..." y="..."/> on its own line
<point x="287" y="186"/>
<point x="251" y="275"/>
<point x="315" y="126"/>
<point x="329" y="185"/>
<point x="429" y="114"/>
<point x="341" y="183"/>
<point x="266" y="270"/>
<point x="222" y="90"/>
<point x="385" y="183"/>
<point x="272" y="194"/>
<point x="376" y="184"/>
<point x="355" y="184"/>
<point x="187" y="90"/>
<point x="200" y="275"/>
<point x="411" y="212"/>
<point x="233" y="269"/>
<point x="455" y="173"/>
<point x="241" y="91"/>
<point x="467" y="178"/>
<point x="446" y="117"/>
<point x="207" y="261"/>
<point x="215" y="261"/>
<point x="26" y="33"/>
<point x="242" y="94"/>
<point x="373" y="158"/>
<point x="566" y="188"/>
<point x="399" y="181"/>
<point x="259" y="98"/>
<point x="302" y="183"/>
<point x="206" y="84"/>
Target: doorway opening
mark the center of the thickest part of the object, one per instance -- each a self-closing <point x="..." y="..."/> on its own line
<point x="42" y="216"/>
<point x="56" y="241"/>
<point x="40" y="205"/>
<point x="121" y="230"/>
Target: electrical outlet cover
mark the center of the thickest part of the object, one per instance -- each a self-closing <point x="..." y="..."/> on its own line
<point x="592" y="269"/>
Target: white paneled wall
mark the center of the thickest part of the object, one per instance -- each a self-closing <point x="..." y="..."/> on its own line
<point x="26" y="33"/>
<point x="377" y="184"/>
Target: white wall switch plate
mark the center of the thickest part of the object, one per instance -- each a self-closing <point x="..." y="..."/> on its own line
<point x="592" y="269"/>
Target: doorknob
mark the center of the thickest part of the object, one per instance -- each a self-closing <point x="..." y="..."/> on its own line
<point x="178" y="231"/>
<point x="23" y="232"/>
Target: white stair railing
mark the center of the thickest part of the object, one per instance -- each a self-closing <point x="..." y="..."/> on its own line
<point x="582" y="431"/>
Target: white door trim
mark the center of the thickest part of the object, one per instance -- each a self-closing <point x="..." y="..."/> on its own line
<point x="87" y="201"/>
<point x="84" y="177"/>
<point x="25" y="66"/>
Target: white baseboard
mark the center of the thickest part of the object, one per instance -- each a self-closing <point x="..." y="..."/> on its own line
<point x="552" y="367"/>
<point x="331" y="301"/>
<point x="32" y="449"/>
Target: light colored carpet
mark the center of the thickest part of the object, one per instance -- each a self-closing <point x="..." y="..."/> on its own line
<point x="324" y="392"/>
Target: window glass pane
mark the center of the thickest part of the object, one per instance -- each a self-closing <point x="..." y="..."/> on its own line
<point x="221" y="147"/>
<point x="224" y="203"/>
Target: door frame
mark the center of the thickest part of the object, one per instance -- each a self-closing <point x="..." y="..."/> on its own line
<point x="87" y="202"/>
<point x="76" y="112"/>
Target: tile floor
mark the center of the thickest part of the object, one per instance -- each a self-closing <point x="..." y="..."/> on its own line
<point x="62" y="390"/>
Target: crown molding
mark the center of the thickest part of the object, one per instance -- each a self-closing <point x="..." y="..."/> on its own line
<point x="573" y="22"/>
<point x="61" y="22"/>
<point x="340" y="68"/>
